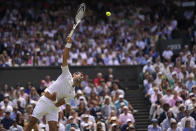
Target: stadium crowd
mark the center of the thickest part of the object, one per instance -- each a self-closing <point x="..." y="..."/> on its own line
<point x="99" y="105"/>
<point x="170" y="88"/>
<point x="33" y="33"/>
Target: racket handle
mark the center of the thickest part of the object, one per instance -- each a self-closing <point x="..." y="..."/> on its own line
<point x="71" y="33"/>
<point x="73" y="29"/>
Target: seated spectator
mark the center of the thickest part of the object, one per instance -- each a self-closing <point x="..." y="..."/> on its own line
<point x="154" y="126"/>
<point x="15" y="127"/>
<point x="191" y="120"/>
<point x="167" y="121"/>
<point x="181" y="113"/>
<point x="121" y="100"/>
<point x="173" y="126"/>
<point x="7" y="121"/>
<point x="71" y="124"/>
<point x="126" y="126"/>
<point x="193" y="113"/>
<point x="107" y="107"/>
<point x="125" y="116"/>
<point x="188" y="126"/>
<point x="191" y="82"/>
<point x="148" y="67"/>
<point x="86" y="124"/>
<point x="175" y="109"/>
<point x="6" y="107"/>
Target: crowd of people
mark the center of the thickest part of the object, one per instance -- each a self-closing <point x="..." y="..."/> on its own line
<point x="99" y="105"/>
<point x="33" y="33"/>
<point x="170" y="88"/>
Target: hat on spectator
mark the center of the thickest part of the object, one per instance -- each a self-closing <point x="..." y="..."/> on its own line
<point x="131" y="127"/>
<point x="194" y="87"/>
<point x="79" y="92"/>
<point x="114" y="124"/>
<point x="149" y="61"/>
<point x="121" y="96"/>
<point x="71" y="117"/>
<point x="174" y="73"/>
<point x="154" y="120"/>
<point x="6" y="95"/>
<point x="173" y="121"/>
<point x="21" y="88"/>
<point x="129" y="120"/>
<point x="81" y="97"/>
<point x="122" y="104"/>
<point x="191" y="75"/>
<point x="191" y="94"/>
<point x="181" y="105"/>
<point x="107" y="97"/>
<point x="113" y="118"/>
<point x="86" y="116"/>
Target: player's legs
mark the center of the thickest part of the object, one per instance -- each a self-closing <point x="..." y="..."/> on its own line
<point x="32" y="122"/>
<point x="52" y="125"/>
<point x="39" y="111"/>
<point x="52" y="118"/>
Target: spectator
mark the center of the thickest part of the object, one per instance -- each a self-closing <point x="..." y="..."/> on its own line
<point x="167" y="54"/>
<point x="127" y="126"/>
<point x="16" y="127"/>
<point x="7" y="121"/>
<point x="71" y="124"/>
<point x="154" y="126"/>
<point x="188" y="126"/>
<point x="125" y="116"/>
<point x="173" y="126"/>
<point x="167" y="121"/>
<point x="193" y="113"/>
<point x="107" y="107"/>
<point x="190" y="119"/>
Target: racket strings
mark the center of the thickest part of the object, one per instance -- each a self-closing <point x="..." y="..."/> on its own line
<point x="80" y="13"/>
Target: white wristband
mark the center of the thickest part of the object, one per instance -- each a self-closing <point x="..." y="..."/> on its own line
<point x="68" y="45"/>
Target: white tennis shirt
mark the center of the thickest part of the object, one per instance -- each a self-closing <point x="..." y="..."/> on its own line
<point x="63" y="85"/>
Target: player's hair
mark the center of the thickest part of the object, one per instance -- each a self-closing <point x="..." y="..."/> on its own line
<point x="79" y="73"/>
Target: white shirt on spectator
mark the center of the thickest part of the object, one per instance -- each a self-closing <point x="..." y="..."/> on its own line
<point x="167" y="98"/>
<point x="141" y="44"/>
<point x="113" y="93"/>
<point x="22" y="102"/>
<point x="192" y="120"/>
<point x="167" y="54"/>
<point x="7" y="108"/>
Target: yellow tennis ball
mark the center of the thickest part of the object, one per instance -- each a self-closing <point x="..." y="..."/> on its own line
<point x="108" y="13"/>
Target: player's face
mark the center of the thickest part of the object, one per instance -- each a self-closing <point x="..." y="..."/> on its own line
<point x="78" y="77"/>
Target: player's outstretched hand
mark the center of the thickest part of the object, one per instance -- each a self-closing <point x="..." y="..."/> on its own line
<point x="68" y="39"/>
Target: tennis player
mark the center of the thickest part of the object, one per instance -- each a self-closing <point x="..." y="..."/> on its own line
<point x="57" y="94"/>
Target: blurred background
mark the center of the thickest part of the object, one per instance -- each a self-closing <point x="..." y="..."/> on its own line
<point x="139" y="61"/>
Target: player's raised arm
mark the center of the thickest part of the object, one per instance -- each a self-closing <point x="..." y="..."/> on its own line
<point x="66" y="51"/>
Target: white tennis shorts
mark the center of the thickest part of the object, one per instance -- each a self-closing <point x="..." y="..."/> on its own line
<point x="46" y="107"/>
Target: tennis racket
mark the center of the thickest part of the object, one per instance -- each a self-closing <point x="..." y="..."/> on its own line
<point x="78" y="17"/>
